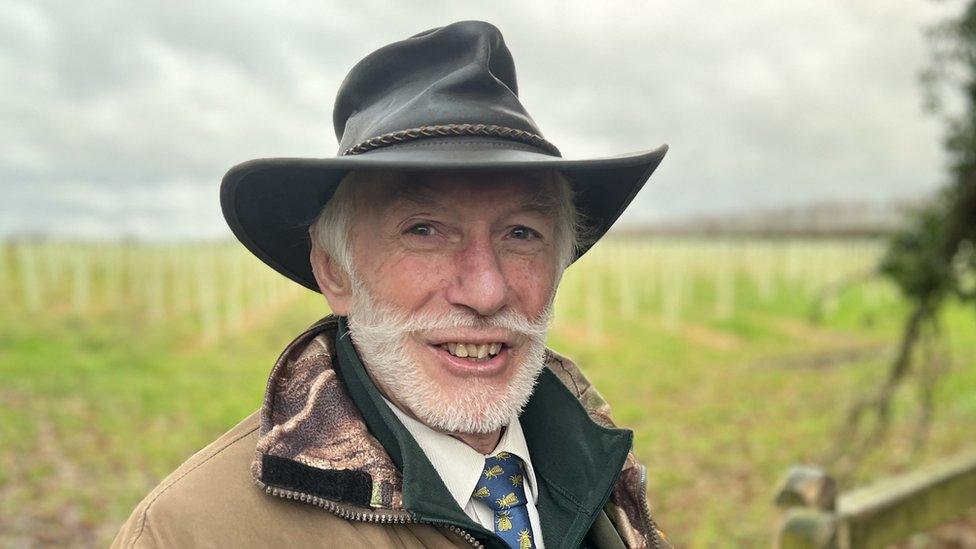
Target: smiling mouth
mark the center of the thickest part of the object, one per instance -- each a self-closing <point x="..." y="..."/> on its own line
<point x="473" y="351"/>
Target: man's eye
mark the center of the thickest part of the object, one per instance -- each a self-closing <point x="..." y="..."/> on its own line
<point x="524" y="233"/>
<point x="421" y="229"/>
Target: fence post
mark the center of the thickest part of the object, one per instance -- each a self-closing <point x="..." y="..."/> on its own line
<point x="809" y="497"/>
<point x="875" y="516"/>
<point x="206" y="295"/>
<point x="82" y="278"/>
<point x="593" y="302"/>
<point x="30" y="286"/>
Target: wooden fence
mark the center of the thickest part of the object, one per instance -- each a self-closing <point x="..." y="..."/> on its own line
<point x="875" y="516"/>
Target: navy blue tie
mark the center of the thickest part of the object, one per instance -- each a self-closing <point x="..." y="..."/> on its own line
<point x="500" y="488"/>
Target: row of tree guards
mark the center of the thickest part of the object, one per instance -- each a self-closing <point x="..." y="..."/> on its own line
<point x="219" y="285"/>
<point x="216" y="286"/>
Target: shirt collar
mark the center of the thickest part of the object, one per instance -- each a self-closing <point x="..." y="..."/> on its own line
<point x="459" y="465"/>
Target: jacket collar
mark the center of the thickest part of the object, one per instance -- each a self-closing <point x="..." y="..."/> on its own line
<point x="326" y="434"/>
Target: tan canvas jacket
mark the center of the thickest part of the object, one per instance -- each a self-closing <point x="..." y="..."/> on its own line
<point x="285" y="475"/>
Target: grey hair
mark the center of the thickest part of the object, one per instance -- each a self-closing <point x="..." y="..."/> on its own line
<point x="331" y="228"/>
<point x="571" y="232"/>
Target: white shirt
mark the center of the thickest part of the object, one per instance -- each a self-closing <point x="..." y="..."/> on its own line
<point x="460" y="467"/>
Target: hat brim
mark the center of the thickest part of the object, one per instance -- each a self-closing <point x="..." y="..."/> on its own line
<point x="269" y="203"/>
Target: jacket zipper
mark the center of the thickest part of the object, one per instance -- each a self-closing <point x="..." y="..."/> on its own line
<point x="373" y="517"/>
<point x="652" y="526"/>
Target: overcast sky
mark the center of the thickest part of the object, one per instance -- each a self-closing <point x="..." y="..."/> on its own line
<point x="120" y="118"/>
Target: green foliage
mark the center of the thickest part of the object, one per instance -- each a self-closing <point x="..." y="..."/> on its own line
<point x="913" y="260"/>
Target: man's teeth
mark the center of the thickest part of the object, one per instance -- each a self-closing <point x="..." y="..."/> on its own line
<point x="471" y="350"/>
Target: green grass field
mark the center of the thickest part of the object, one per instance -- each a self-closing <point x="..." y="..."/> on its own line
<point x="119" y="361"/>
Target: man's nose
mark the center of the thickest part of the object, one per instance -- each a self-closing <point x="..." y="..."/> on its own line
<point x="480" y="283"/>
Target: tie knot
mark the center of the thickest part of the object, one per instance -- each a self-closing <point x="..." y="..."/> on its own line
<point x="500" y="486"/>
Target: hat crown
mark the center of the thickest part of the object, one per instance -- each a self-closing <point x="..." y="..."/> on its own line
<point x="461" y="73"/>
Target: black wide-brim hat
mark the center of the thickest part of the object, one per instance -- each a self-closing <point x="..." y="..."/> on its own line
<point x="443" y="100"/>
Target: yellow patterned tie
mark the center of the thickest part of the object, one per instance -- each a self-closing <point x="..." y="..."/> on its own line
<point x="500" y="488"/>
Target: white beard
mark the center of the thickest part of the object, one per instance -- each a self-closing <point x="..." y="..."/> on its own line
<point x="381" y="331"/>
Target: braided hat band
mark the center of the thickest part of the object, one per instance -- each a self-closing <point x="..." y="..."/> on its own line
<point x="452" y="130"/>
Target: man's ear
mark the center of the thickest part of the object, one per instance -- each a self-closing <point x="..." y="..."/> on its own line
<point x="332" y="281"/>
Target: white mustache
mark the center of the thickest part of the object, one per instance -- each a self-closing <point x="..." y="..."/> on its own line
<point x="394" y="320"/>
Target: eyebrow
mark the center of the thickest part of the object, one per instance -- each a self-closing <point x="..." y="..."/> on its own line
<point x="541" y="202"/>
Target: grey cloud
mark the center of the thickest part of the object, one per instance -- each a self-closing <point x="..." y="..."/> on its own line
<point x="783" y="102"/>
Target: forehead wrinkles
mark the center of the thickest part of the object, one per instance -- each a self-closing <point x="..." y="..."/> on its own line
<point x="537" y="190"/>
<point x="416" y="192"/>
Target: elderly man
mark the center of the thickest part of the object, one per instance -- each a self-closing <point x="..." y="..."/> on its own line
<point x="427" y="412"/>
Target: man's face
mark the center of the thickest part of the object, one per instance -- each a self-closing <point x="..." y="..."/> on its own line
<point x="455" y="274"/>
